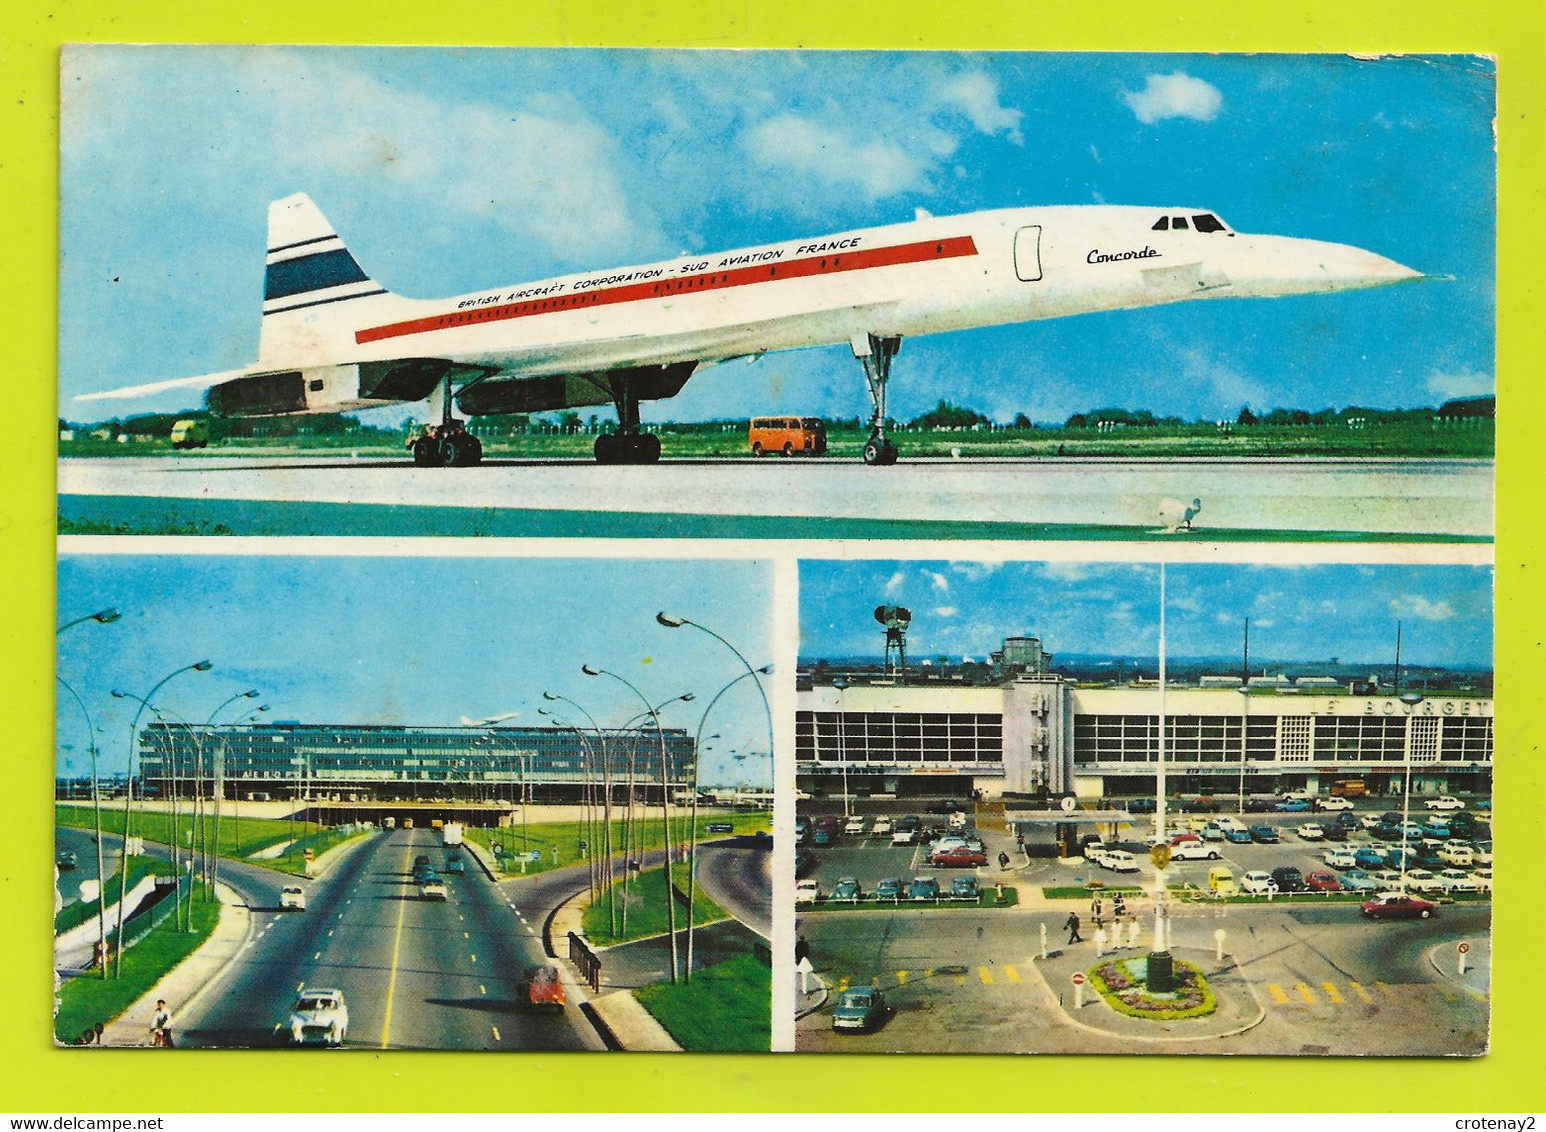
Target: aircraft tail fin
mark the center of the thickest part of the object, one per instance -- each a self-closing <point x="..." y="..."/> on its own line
<point x="309" y="279"/>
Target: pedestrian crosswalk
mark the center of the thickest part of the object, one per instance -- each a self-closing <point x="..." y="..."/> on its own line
<point x="990" y="975"/>
<point x="1350" y="993"/>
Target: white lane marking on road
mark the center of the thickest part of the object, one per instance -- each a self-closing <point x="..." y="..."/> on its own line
<point x="317" y="956"/>
<point x="474" y="958"/>
<point x="300" y="986"/>
<point x="466" y="936"/>
<point x="497" y="1038"/>
<point x="482" y="989"/>
<point x="529" y="931"/>
<point x="330" y="933"/>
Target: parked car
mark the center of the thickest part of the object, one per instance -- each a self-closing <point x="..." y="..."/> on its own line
<point x="1340" y="859"/>
<point x="1310" y="831"/>
<point x="1189" y="848"/>
<point x="1213" y="832"/>
<point x="1322" y="882"/>
<point x="1258" y="805"/>
<point x="1238" y="836"/>
<point x="1356" y="880"/>
<point x="945" y="807"/>
<point x="1095" y="852"/>
<point x="292" y="898"/>
<point x="1222" y="881"/>
<point x="1421" y="880"/>
<point x="957" y="820"/>
<point x="66" y="860"/>
<point x="923" y="888"/>
<point x="1368" y="858"/>
<point x="1292" y="806"/>
<point x="900" y="836"/>
<point x="1444" y="802"/>
<point x="542" y="989"/>
<point x="1288" y="879"/>
<point x="847" y="889"/>
<point x="1397" y="906"/>
<point x="958" y="857"/>
<point x="804" y="862"/>
<point x="320" y="1016"/>
<point x="1264" y="835"/>
<point x="859" y="1008"/>
<point x="806" y="892"/>
<point x="1333" y="803"/>
<point x="1371" y="822"/>
<point x="1483" y="879"/>
<point x="1388" y="880"/>
<point x="965" y="888"/>
<point x="889" y="888"/>
<point x="1385" y="831"/>
<point x="1120" y="861"/>
<point x="854" y="825"/>
<point x="1458" y="880"/>
<point x="1258" y="883"/>
<point x="1141" y="806"/>
<point x="1482" y="852"/>
<point x="881" y="828"/>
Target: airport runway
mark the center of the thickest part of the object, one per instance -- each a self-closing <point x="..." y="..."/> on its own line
<point x="1093" y="498"/>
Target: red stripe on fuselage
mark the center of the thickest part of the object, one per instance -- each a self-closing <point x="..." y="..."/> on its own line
<point x="920" y="252"/>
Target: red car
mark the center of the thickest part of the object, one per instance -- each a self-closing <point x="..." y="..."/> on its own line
<point x="1398" y="906"/>
<point x="542" y="989"/>
<point x="1322" y="882"/>
<point x="959" y="858"/>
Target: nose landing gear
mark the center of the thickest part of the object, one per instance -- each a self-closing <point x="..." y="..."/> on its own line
<point x="875" y="352"/>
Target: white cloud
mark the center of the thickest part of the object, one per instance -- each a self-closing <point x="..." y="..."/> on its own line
<point x="894" y="583"/>
<point x="976" y="95"/>
<point x="976" y="571"/>
<point x="1415" y="605"/>
<point x="804" y="148"/>
<point x="939" y="581"/>
<point x="1177" y="95"/>
<point x="1466" y="383"/>
<point x="945" y="611"/>
<point x="1065" y="571"/>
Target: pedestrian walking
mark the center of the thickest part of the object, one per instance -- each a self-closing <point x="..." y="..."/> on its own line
<point x="161" y="1025"/>
<point x="1072" y="926"/>
<point x="1096" y="912"/>
<point x="1118" y="907"/>
<point x="802" y="949"/>
<point x="1003" y="860"/>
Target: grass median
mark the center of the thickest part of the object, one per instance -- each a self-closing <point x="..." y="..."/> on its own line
<point x="78" y="912"/>
<point x="559" y="844"/>
<point x="645" y="901"/>
<point x="88" y="999"/>
<point x="726" y="1008"/>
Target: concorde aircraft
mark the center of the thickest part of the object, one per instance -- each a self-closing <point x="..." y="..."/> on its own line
<point x="334" y="339"/>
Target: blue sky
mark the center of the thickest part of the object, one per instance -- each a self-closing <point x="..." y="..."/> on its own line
<point x="419" y="641"/>
<point x="1298" y="613"/>
<point x="451" y="170"/>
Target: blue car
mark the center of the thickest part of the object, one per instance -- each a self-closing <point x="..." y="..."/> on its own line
<point x="1238" y="836"/>
<point x="1356" y="880"/>
<point x="1264" y="835"/>
<point x="1292" y="806"/>
<point x="1367" y="858"/>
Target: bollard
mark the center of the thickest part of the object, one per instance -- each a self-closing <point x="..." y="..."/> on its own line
<point x="1218" y="945"/>
<point x="1078" y="996"/>
<point x="1043" y="940"/>
<point x="1132" y="934"/>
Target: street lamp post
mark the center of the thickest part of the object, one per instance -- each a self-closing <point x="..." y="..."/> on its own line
<point x="1160" y="971"/>
<point x="608" y="873"/>
<point x="665" y="801"/>
<point x="101" y="617"/>
<point x="128" y="800"/>
<point x="182" y="912"/>
<point x="692" y="842"/>
<point x="841" y="684"/>
<point x="1245" y="727"/>
<point x="588" y="821"/>
<point x="96" y="806"/>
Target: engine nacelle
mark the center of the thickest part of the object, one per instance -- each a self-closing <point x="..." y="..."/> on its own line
<point x="572" y="390"/>
<point x="331" y="389"/>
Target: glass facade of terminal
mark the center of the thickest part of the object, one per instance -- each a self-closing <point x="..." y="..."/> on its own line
<point x="899" y="738"/>
<point x="284" y="759"/>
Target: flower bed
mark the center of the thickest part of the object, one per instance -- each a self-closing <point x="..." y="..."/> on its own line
<point x="1121" y="982"/>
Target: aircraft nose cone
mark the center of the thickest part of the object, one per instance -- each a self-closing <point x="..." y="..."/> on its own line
<point x="1286" y="266"/>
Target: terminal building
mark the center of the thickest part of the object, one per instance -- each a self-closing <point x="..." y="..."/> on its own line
<point x="1018" y="728"/>
<point x="366" y="763"/>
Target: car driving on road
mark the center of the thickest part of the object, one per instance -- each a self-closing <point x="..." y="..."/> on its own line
<point x="859" y="1008"/>
<point x="1398" y="906"/>
<point x="292" y="898"/>
<point x="1444" y="802"/>
<point x="320" y="1016"/>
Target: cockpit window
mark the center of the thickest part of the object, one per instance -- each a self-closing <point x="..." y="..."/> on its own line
<point x="1161" y="225"/>
<point x="1207" y="222"/>
<point x="1179" y="222"/>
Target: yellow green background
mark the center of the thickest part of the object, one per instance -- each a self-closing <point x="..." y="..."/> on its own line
<point x="38" y="1078"/>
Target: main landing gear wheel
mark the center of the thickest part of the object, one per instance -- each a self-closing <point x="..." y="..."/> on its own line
<point x="627" y="448"/>
<point x="460" y="450"/>
<point x="879" y="452"/>
<point x="426" y="452"/>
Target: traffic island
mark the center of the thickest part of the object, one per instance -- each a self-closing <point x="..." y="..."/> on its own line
<point x="1126" y="986"/>
<point x="1070" y="979"/>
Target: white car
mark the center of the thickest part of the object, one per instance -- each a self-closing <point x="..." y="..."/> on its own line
<point x="882" y="827"/>
<point x="1370" y="821"/>
<point x="1483" y="879"/>
<point x="1095" y="852"/>
<point x="1258" y="883"/>
<point x="903" y="837"/>
<point x="854" y="825"/>
<point x="1190" y="849"/>
<point x="1340" y="858"/>
<point x="1444" y="802"/>
<point x="1421" y="880"/>
<point x="320" y="1016"/>
<point x="434" y="890"/>
<point x="1119" y="861"/>
<point x="957" y="820"/>
<point x="1229" y="823"/>
<point x="806" y="892"/>
<point x="1457" y="853"/>
<point x="1458" y="880"/>
<point x="1333" y="803"/>
<point x="1389" y="880"/>
<point x="292" y="898"/>
<point x="1311" y="832"/>
<point x="1482" y="851"/>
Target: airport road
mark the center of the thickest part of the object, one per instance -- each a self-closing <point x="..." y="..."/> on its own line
<point x="736" y="875"/>
<point x="417" y="974"/>
<point x="1330" y="982"/>
<point x="986" y="498"/>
